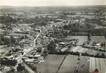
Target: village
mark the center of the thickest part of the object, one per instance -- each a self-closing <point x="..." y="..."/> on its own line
<point x="66" y="37"/>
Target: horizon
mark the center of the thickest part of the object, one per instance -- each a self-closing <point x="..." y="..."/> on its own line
<point x="53" y="6"/>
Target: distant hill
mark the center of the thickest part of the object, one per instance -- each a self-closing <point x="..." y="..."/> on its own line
<point x="48" y="9"/>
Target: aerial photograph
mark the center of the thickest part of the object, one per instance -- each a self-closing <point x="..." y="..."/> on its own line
<point x="52" y="36"/>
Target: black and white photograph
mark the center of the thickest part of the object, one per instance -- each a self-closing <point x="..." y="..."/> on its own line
<point x="52" y="36"/>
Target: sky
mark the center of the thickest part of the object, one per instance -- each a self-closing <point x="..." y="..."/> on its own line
<point x="51" y="2"/>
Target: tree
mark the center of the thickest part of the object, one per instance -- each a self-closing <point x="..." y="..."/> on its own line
<point x="6" y="22"/>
